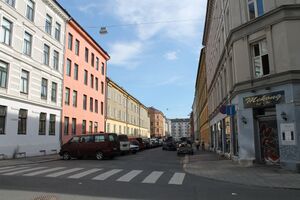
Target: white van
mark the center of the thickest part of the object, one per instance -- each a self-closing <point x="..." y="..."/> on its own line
<point x="124" y="144"/>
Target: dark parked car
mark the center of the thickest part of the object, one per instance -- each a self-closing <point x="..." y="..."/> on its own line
<point x="141" y="142"/>
<point x="169" y="144"/>
<point x="98" y="146"/>
<point x="185" y="147"/>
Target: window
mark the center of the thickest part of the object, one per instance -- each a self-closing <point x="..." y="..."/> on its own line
<point x="86" y="55"/>
<point x="68" y="70"/>
<point x="3" y="74"/>
<point x="85" y="77"/>
<point x="91" y="127"/>
<point x="10" y="2"/>
<point x="97" y="86"/>
<point x="92" y="81"/>
<point x="67" y="96"/>
<point x="70" y="41"/>
<point x="260" y="58"/>
<point x="55" y="59"/>
<point x="22" y="122"/>
<point x="24" y="82"/>
<point x="96" y="127"/>
<point x="93" y="60"/>
<point x="27" y="44"/>
<point x="102" y="87"/>
<point x="66" y="126"/>
<point x="75" y="71"/>
<point x="46" y="54"/>
<point x="255" y="8"/>
<point x="52" y="124"/>
<point x="83" y="126"/>
<point x="54" y="92"/>
<point x="57" y="31"/>
<point x="6" y="32"/>
<point x="77" y="46"/>
<point x="91" y="104"/>
<point x="84" y="102"/>
<point x="102" y="69"/>
<point x="102" y="109"/>
<point x="44" y="89"/>
<point x="73" y="126"/>
<point x="74" y="98"/>
<point x="42" y="124"/>
<point x="48" y="24"/>
<point x="2" y="119"/>
<point x="97" y="63"/>
<point x="30" y="10"/>
<point x="96" y="106"/>
<point x="99" y="138"/>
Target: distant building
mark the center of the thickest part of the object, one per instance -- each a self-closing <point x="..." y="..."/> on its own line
<point x="125" y="114"/>
<point x="180" y="128"/>
<point x="168" y="129"/>
<point x="157" y="124"/>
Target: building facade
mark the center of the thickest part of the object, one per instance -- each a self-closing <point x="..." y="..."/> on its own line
<point x="181" y="128"/>
<point x="168" y="129"/>
<point x="32" y="40"/>
<point x="200" y="107"/>
<point x="125" y="114"/>
<point x="84" y="84"/>
<point x="157" y="122"/>
<point x="252" y="61"/>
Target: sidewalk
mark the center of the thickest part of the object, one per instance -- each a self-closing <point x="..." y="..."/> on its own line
<point x="29" y="160"/>
<point x="209" y="165"/>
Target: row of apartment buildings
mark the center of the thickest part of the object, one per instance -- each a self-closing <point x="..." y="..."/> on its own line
<point x="247" y="95"/>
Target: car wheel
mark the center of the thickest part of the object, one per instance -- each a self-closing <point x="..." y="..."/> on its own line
<point x="99" y="155"/>
<point x="66" y="156"/>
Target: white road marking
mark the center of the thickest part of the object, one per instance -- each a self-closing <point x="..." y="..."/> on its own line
<point x="24" y="170"/>
<point x="10" y="170"/>
<point x="177" y="179"/>
<point x="108" y="174"/>
<point x="129" y="176"/>
<point x="9" y="167"/>
<point x="153" y="177"/>
<point x="82" y="174"/>
<point x="68" y="171"/>
<point x="44" y="171"/>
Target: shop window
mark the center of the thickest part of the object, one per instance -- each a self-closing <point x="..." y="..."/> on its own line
<point x="42" y="124"/>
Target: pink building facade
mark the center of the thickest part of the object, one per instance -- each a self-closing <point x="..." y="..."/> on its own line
<point x="84" y="84"/>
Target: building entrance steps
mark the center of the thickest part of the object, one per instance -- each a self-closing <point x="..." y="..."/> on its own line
<point x="212" y="166"/>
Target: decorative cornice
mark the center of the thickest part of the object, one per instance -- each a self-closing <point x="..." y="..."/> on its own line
<point x="56" y="7"/>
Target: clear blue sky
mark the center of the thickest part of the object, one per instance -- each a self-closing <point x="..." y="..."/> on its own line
<point x="155" y="62"/>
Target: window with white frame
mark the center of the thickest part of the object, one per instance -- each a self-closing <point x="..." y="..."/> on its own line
<point x="260" y="58"/>
<point x="6" y="31"/>
<point x="48" y="24"/>
<point x="30" y="10"/>
<point x="46" y="54"/>
<point x="55" y="59"/>
<point x="52" y="124"/>
<point x="27" y="44"/>
<point x="2" y="119"/>
<point x="44" y="88"/>
<point x="24" y="81"/>
<point x="42" y="124"/>
<point x="255" y="8"/>
<point x="3" y="74"/>
<point x="10" y="2"/>
<point x="22" y="122"/>
<point x="54" y="92"/>
<point x="57" y="31"/>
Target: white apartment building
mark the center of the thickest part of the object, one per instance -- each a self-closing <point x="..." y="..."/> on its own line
<point x="168" y="128"/>
<point x="253" y="74"/>
<point x="180" y="128"/>
<point x="32" y="39"/>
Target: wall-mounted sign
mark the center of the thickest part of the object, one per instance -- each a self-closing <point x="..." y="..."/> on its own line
<point x="288" y="134"/>
<point x="269" y="99"/>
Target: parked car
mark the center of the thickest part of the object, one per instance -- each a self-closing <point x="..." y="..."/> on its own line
<point x="134" y="146"/>
<point x="147" y="143"/>
<point x="100" y="146"/>
<point x="185" y="147"/>
<point x="124" y="144"/>
<point x="169" y="144"/>
<point x="140" y="142"/>
<point x="154" y="142"/>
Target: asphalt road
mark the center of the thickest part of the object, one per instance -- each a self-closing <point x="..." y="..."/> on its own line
<point x="151" y="174"/>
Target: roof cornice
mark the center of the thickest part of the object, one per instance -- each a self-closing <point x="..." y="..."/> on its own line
<point x="55" y="6"/>
<point x="209" y="9"/>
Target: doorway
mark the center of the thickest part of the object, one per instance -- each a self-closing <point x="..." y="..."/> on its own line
<point x="268" y="143"/>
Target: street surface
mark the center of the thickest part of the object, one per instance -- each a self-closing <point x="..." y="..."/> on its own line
<point x="151" y="174"/>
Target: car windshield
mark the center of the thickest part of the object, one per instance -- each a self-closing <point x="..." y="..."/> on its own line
<point x="123" y="138"/>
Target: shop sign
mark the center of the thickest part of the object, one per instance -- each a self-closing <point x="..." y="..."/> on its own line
<point x="269" y="99"/>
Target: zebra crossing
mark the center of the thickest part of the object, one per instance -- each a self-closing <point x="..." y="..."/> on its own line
<point x="95" y="174"/>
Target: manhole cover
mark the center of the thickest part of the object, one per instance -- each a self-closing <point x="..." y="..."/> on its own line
<point x="46" y="197"/>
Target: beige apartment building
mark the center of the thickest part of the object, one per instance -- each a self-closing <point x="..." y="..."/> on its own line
<point x="253" y="80"/>
<point x="157" y="119"/>
<point x="124" y="113"/>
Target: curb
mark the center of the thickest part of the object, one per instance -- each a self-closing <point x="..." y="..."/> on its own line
<point x="186" y="159"/>
<point x="30" y="162"/>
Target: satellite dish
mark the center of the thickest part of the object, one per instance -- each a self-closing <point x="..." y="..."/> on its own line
<point x="103" y="31"/>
